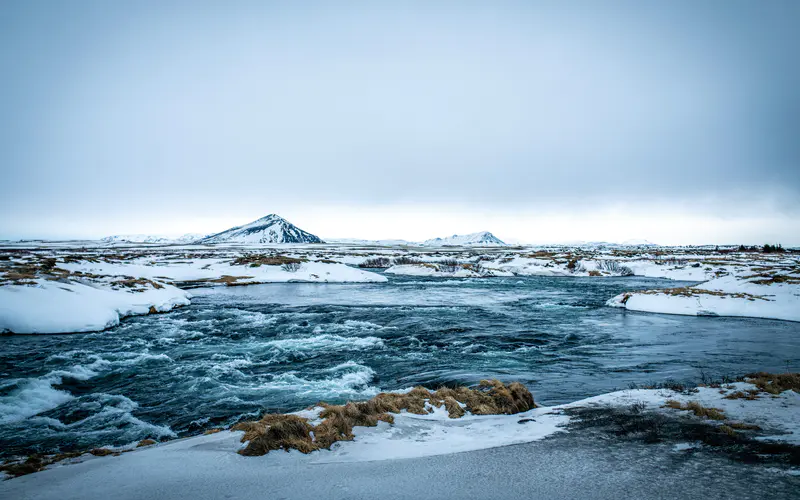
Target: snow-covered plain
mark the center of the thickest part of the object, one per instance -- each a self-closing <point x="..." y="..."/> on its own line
<point x="757" y="291"/>
<point x="731" y="284"/>
<point x="54" y="288"/>
<point x="410" y="437"/>
<point x="65" y="293"/>
<point x="55" y="307"/>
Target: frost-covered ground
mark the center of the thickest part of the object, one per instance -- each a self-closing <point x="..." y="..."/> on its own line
<point x="556" y="457"/>
<point x="63" y="291"/>
<point x="753" y="286"/>
<point x="62" y="287"/>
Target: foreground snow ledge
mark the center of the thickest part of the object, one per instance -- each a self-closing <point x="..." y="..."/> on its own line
<point x="56" y="307"/>
<point x="191" y="459"/>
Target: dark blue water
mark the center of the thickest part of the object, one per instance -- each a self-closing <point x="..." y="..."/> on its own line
<point x="243" y="350"/>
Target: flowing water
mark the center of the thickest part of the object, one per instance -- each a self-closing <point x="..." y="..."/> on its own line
<point x="240" y="351"/>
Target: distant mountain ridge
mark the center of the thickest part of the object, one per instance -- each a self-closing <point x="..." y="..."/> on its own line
<point x="269" y="229"/>
<point x="151" y="238"/>
<point x="359" y="241"/>
<point x="482" y="238"/>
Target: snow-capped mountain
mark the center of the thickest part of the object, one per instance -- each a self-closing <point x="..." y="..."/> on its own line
<point x="152" y="238"/>
<point x="481" y="239"/>
<point x="269" y="229"/>
<point x="135" y="238"/>
<point x="638" y="243"/>
<point x="189" y="238"/>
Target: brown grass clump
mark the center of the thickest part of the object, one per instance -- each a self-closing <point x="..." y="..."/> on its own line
<point x="101" y="452"/>
<point x="212" y="431"/>
<point x="26" y="271"/>
<point x="696" y="408"/>
<point x="743" y="426"/>
<point x="228" y="280"/>
<point x="777" y="278"/>
<point x="595" y="273"/>
<point x="274" y="432"/>
<point x="376" y="263"/>
<point x="727" y="430"/>
<point x="136" y="283"/>
<point x="775" y="383"/>
<point x="256" y="260"/>
<point x="539" y="255"/>
<point x="701" y="411"/>
<point x="749" y="395"/>
<point x="32" y="464"/>
<point x="454" y="410"/>
<point x="145" y="442"/>
<point x="339" y="421"/>
<point x="35" y="463"/>
<point x="694" y="292"/>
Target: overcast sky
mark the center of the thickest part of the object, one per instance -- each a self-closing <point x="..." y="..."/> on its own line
<point x="678" y="122"/>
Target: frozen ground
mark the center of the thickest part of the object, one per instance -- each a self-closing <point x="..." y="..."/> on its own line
<point x="81" y="306"/>
<point x="419" y="458"/>
<point x="53" y="288"/>
<point x="742" y="292"/>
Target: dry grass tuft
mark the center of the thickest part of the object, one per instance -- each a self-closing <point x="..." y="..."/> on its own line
<point x="35" y="463"/>
<point x="749" y="395"/>
<point x="32" y="464"/>
<point x="101" y="452"/>
<point x="454" y="410"/>
<point x="145" y="442"/>
<point x="775" y="383"/>
<point x="274" y="432"/>
<point x="743" y="426"/>
<point x="376" y="263"/>
<point x="696" y="408"/>
<point x="138" y="283"/>
<point x="228" y="279"/>
<point x="256" y="260"/>
<point x="769" y="279"/>
<point x="404" y="260"/>
<point x="701" y="411"/>
<point x="695" y="292"/>
<point x="24" y="272"/>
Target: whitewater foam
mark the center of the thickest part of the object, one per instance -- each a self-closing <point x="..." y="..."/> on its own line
<point x="348" y="379"/>
<point x="38" y="394"/>
<point x="325" y="342"/>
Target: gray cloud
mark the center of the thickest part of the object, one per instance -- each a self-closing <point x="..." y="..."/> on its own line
<point x="114" y="111"/>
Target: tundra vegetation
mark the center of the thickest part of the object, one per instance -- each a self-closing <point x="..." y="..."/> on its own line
<point x="288" y="431"/>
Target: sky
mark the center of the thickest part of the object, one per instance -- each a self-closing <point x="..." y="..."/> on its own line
<point x="677" y="122"/>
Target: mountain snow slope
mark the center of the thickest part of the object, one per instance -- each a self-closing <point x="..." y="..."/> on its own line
<point x="483" y="239"/>
<point x="269" y="229"/>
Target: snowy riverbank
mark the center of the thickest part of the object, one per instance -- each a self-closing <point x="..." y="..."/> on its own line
<point x="741" y="293"/>
<point x="208" y="466"/>
<point x="58" y="307"/>
<point x="61" y="290"/>
<point x="66" y="294"/>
